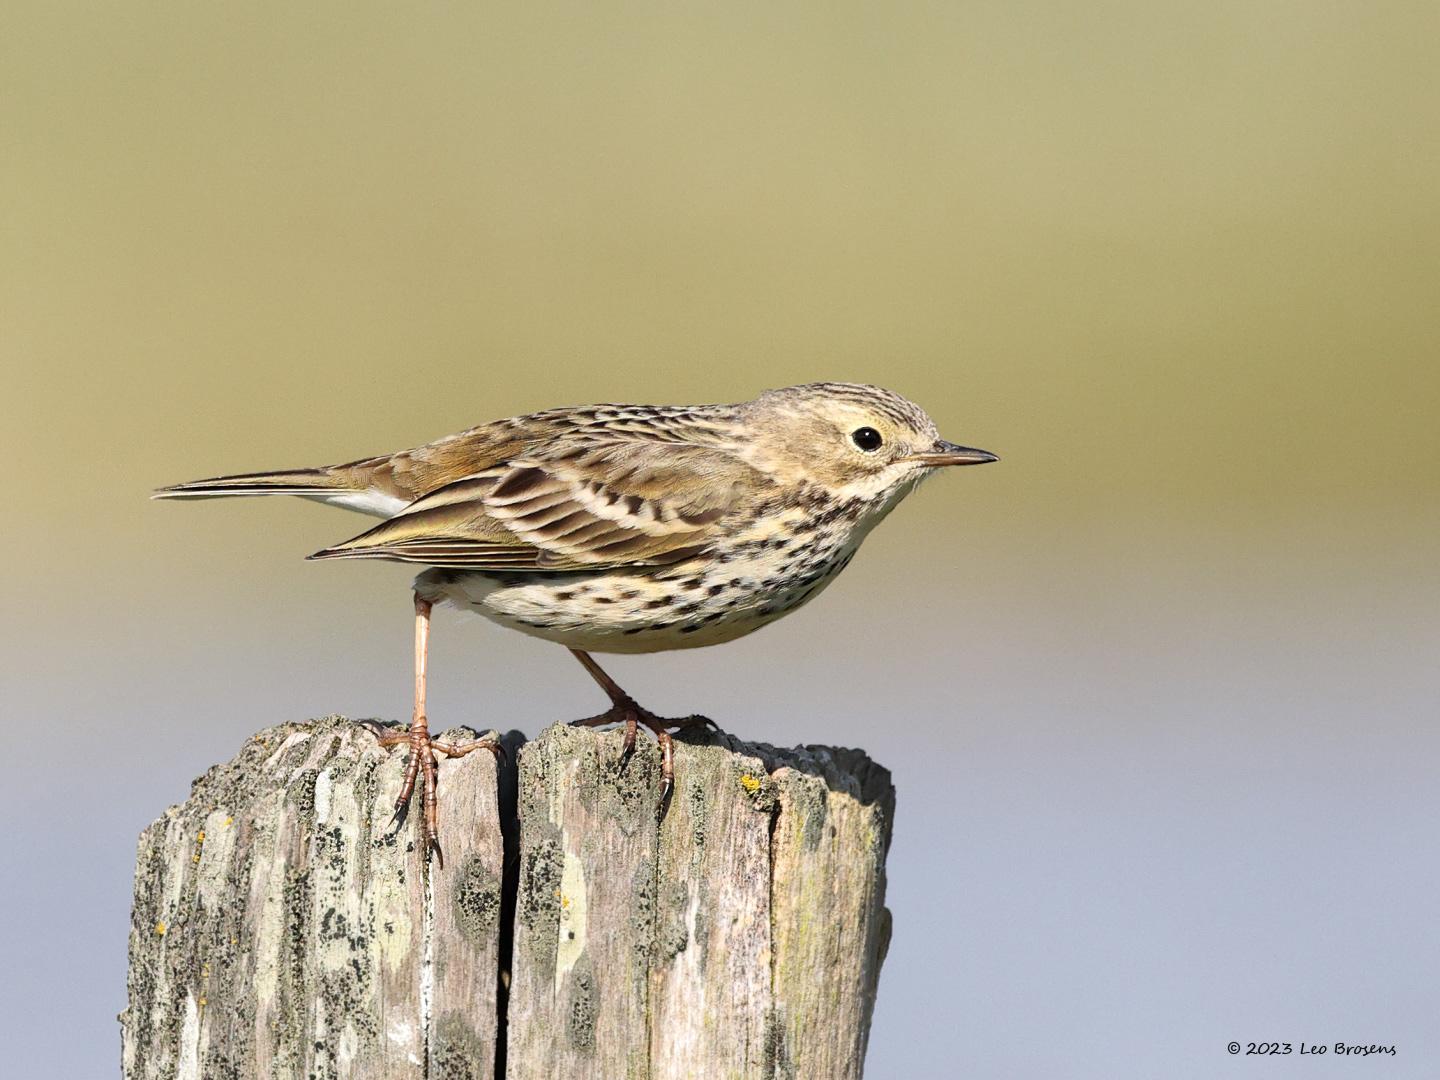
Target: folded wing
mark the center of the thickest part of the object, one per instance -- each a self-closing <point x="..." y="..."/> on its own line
<point x="584" y="502"/>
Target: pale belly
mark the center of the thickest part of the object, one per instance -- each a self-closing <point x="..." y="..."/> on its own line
<point x="638" y="611"/>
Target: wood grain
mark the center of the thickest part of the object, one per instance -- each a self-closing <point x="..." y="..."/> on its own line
<point x="281" y="930"/>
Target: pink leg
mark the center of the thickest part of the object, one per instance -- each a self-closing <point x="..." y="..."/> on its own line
<point x="625" y="710"/>
<point x="422" y="765"/>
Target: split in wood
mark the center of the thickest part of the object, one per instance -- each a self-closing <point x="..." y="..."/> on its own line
<point x="280" y="930"/>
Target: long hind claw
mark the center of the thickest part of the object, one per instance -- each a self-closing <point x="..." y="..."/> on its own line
<point x="385" y="735"/>
<point x="461" y="749"/>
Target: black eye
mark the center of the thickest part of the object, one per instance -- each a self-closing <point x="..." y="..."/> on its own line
<point x="866" y="438"/>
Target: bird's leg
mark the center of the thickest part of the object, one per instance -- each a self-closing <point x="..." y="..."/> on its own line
<point x="623" y="707"/>
<point x="625" y="710"/>
<point x="419" y="735"/>
<point x="422" y="765"/>
<point x="617" y="695"/>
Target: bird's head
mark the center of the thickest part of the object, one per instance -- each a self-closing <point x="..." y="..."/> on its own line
<point x="854" y="439"/>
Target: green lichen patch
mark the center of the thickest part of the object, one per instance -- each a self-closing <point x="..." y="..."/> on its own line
<point x="698" y="804"/>
<point x="540" y="869"/>
<point x="643" y="914"/>
<point x="581" y="1006"/>
<point x="476" y="899"/>
<point x="457" y="1052"/>
<point x="775" y="1051"/>
<point x="292" y="997"/>
<point x="804" y="798"/>
<point x="672" y="935"/>
<point x="537" y="907"/>
<point x="629" y="786"/>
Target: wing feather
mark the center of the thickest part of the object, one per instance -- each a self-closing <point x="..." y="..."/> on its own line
<point x="575" y="503"/>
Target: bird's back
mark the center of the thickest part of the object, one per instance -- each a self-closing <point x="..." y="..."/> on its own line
<point x="419" y="471"/>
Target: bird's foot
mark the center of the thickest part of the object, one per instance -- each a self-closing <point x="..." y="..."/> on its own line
<point x="633" y="717"/>
<point x="424" y="768"/>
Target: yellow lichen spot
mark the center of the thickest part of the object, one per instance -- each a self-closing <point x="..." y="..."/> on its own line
<point x="160" y="929"/>
<point x="194" y="858"/>
<point x="564" y="901"/>
<point x="229" y="820"/>
<point x="202" y="1002"/>
<point x="749" y="783"/>
<point x="200" y="838"/>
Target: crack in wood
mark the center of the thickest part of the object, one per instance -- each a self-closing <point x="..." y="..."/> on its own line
<point x="740" y="935"/>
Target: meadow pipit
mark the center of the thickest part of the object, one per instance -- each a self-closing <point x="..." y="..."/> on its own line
<point x="625" y="528"/>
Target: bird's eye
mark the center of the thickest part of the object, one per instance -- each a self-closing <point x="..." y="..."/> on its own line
<point x="866" y="438"/>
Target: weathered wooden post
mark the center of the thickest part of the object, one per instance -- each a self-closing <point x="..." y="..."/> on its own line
<point x="280" y="931"/>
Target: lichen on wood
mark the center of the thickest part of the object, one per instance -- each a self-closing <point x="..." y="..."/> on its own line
<point x="280" y="929"/>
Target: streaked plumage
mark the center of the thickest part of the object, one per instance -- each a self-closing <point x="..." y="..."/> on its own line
<point x="634" y="528"/>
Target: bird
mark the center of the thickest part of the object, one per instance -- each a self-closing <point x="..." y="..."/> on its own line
<point x="623" y="528"/>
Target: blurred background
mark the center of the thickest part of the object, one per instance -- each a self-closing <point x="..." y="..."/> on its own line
<point x="1159" y="690"/>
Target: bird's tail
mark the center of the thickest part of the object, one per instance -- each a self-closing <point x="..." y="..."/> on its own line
<point x="311" y="482"/>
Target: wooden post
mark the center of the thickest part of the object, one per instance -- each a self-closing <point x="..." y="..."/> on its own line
<point x="280" y="930"/>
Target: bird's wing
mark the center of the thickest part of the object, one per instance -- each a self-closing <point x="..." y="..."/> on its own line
<point x="581" y="502"/>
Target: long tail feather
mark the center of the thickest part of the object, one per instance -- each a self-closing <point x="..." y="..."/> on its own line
<point x="290" y="482"/>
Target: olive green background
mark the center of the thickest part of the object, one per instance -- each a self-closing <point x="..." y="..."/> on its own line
<point x="1159" y="689"/>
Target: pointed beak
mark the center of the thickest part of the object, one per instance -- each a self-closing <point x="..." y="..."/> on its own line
<point x="947" y="453"/>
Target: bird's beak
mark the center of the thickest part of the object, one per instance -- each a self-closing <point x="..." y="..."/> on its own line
<point x="947" y="453"/>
